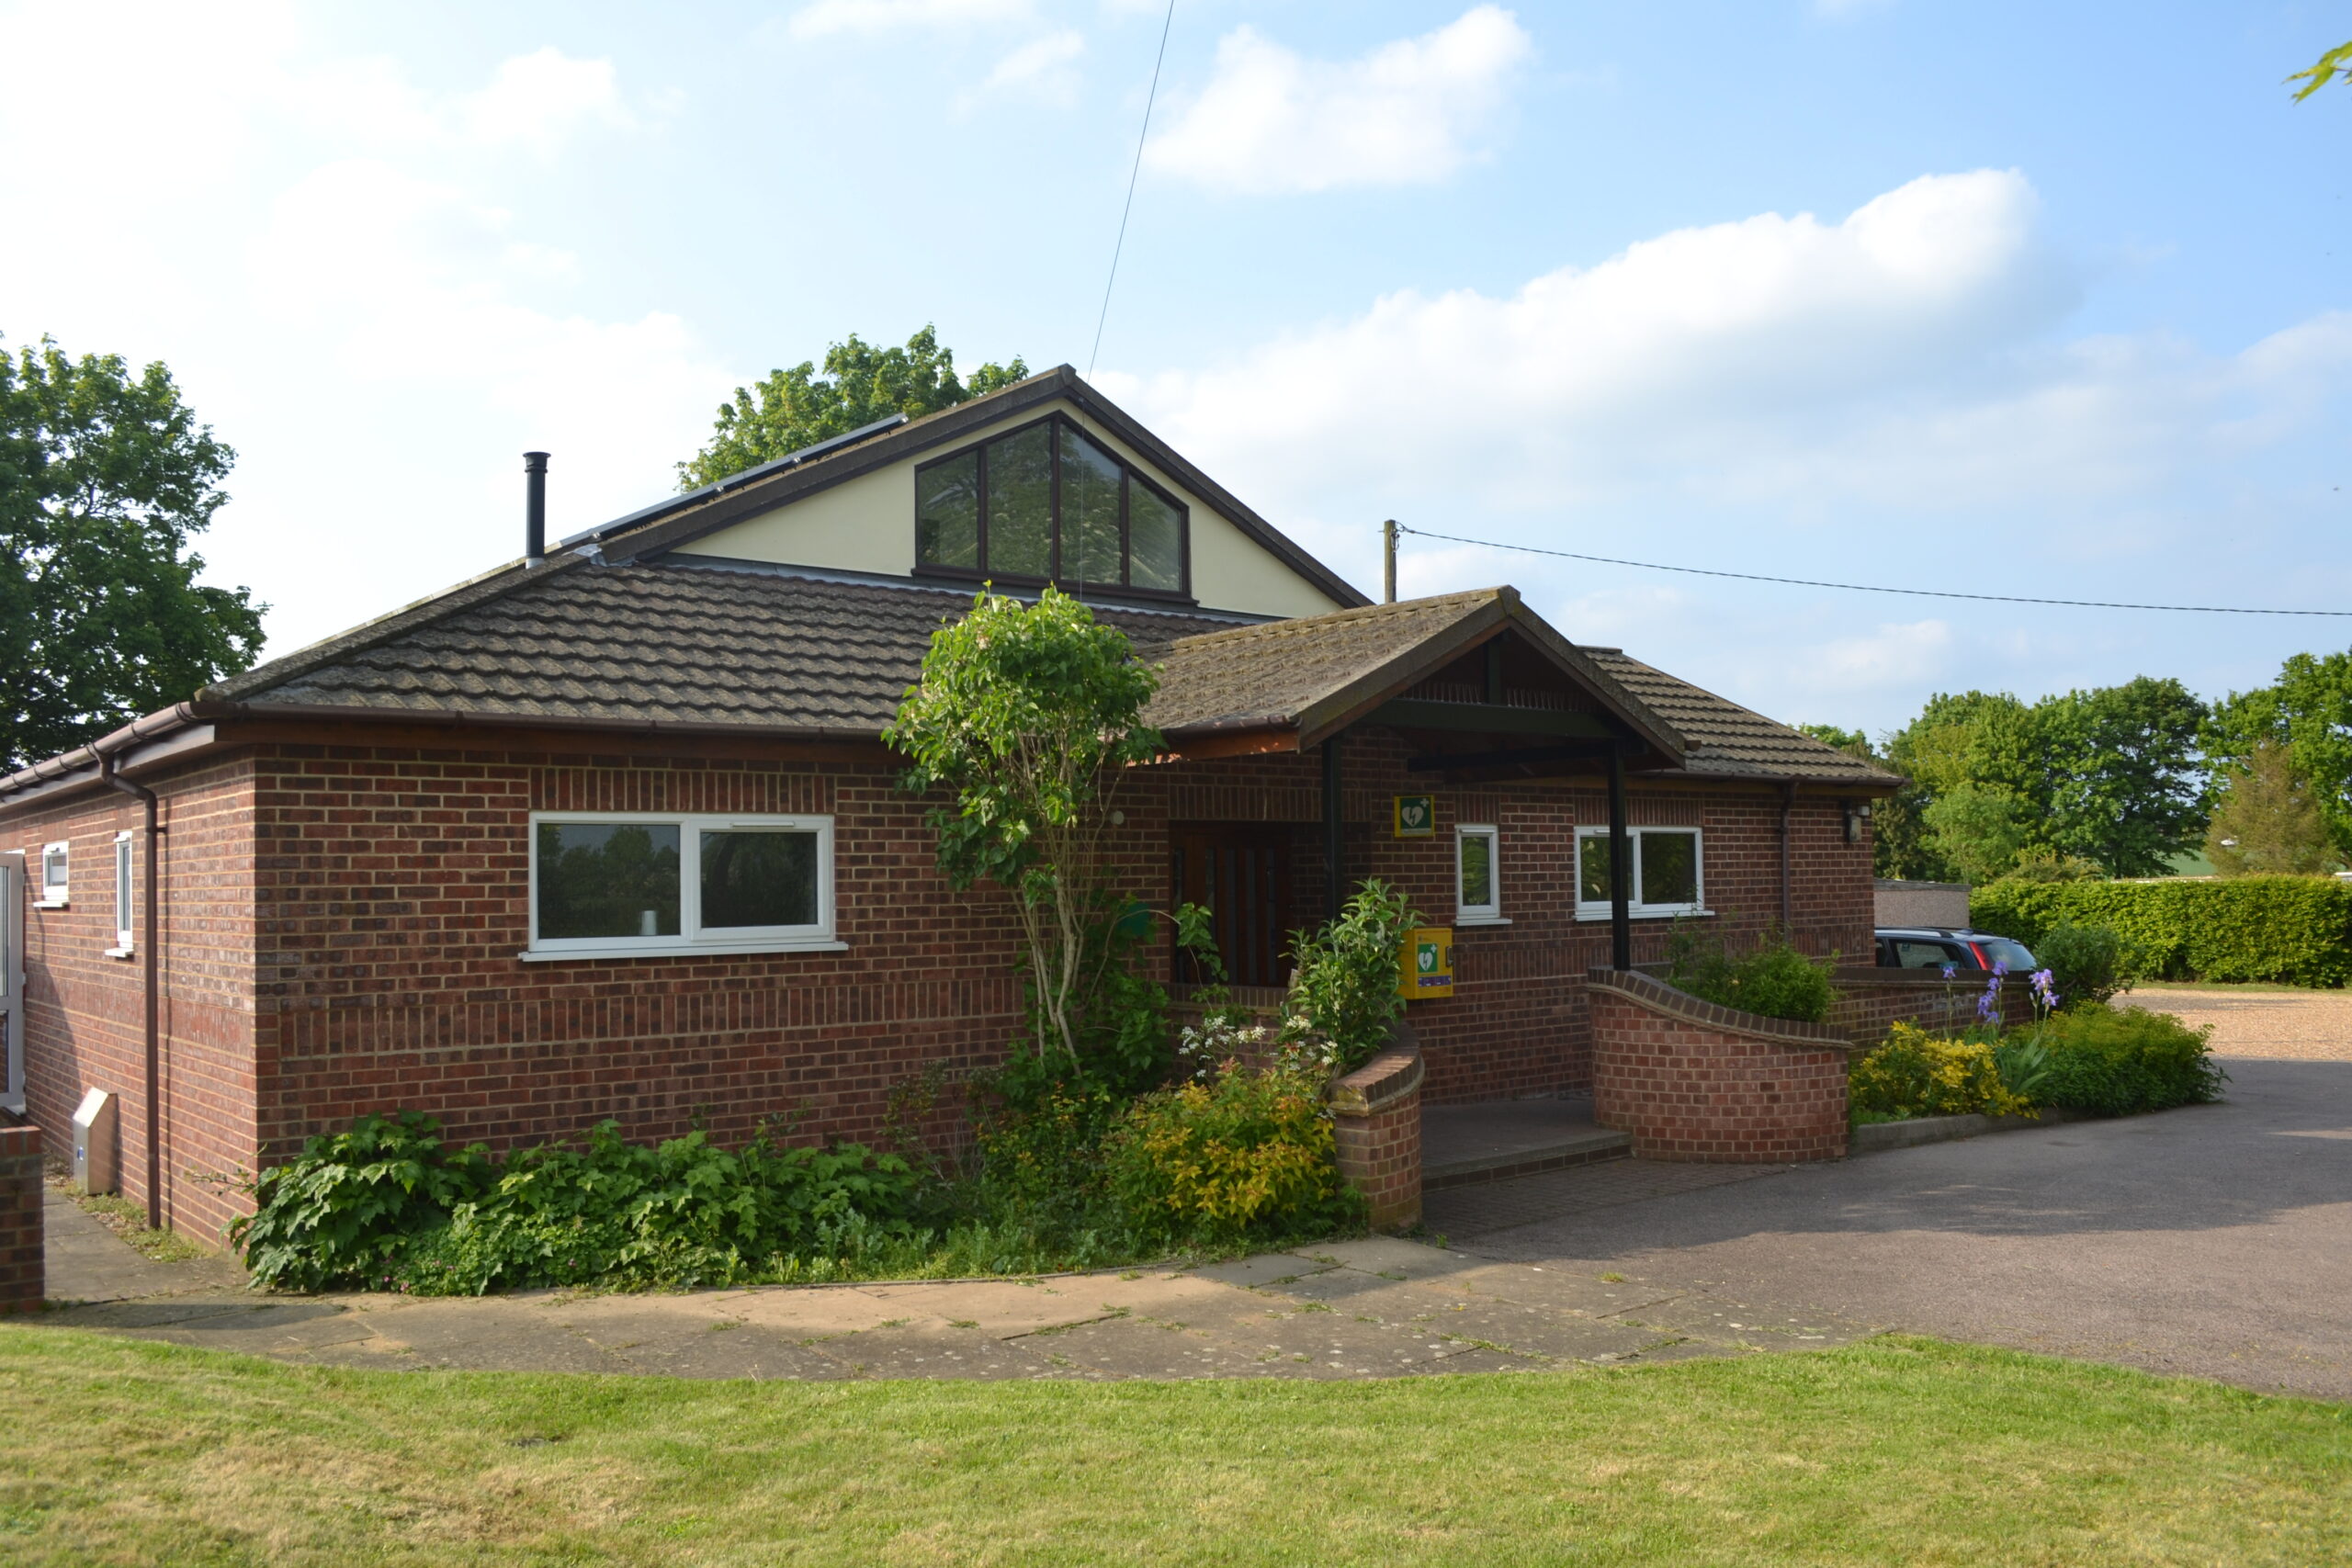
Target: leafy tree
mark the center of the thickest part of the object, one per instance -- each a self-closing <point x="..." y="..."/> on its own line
<point x="2335" y="65"/>
<point x="2268" y="819"/>
<point x="2111" y="775"/>
<point x="1028" y="715"/>
<point x="861" y="383"/>
<point x="104" y="476"/>
<point x="2308" y="710"/>
<point x="1852" y="742"/>
<point x="2126" y="781"/>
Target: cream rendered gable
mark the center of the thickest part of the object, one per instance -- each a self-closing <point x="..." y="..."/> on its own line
<point x="867" y="523"/>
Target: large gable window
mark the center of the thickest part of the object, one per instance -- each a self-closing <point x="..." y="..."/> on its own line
<point x="614" y="885"/>
<point x="1049" y="504"/>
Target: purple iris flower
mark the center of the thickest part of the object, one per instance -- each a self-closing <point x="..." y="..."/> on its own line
<point x="2045" y="987"/>
<point x="1949" y="969"/>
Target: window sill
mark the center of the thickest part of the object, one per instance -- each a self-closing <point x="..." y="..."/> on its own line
<point x="673" y="950"/>
<point x="122" y="952"/>
<point x="51" y="904"/>
<point x="1651" y="915"/>
<point x="1460" y="920"/>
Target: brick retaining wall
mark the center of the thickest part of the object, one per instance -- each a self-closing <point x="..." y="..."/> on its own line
<point x="21" y="1278"/>
<point x="1693" y="1081"/>
<point x="1871" y="1000"/>
<point x="1376" y="1122"/>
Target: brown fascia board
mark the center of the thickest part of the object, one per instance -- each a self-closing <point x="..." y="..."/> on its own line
<point x="1061" y="383"/>
<point x="191" y="727"/>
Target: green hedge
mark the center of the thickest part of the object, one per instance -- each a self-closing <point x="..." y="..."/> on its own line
<point x="2291" y="930"/>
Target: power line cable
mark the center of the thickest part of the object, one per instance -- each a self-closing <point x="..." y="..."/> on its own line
<point x="1150" y="99"/>
<point x="1867" y="587"/>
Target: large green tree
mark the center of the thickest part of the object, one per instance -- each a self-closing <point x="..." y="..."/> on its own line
<point x="860" y="383"/>
<point x="2268" y="819"/>
<point x="2111" y="776"/>
<point x="105" y="477"/>
<point x="2308" y="710"/>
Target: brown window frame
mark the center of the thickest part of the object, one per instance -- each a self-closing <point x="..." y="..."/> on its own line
<point x="1130" y="476"/>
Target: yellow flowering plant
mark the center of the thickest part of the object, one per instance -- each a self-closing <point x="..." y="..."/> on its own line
<point x="1919" y="1074"/>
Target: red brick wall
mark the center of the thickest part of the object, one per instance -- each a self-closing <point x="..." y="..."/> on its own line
<point x="1690" y="1083"/>
<point x="1871" y="1000"/>
<point x="1376" y="1126"/>
<point x="1516" y="1026"/>
<point x="342" y="923"/>
<point x="84" y="1012"/>
<point x="21" y="1281"/>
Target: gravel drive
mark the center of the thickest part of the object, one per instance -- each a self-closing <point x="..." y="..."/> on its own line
<point x="2297" y="1026"/>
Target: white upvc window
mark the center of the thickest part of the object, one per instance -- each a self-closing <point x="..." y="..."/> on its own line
<point x="1668" y="872"/>
<point x="1477" y="876"/>
<point x="636" y="884"/>
<point x="126" y="934"/>
<point x="56" y="861"/>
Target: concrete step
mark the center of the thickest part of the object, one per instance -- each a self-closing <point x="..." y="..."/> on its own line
<point x="1464" y="1145"/>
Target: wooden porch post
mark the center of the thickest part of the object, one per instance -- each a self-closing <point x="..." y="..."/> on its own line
<point x="1621" y="867"/>
<point x="1335" y="876"/>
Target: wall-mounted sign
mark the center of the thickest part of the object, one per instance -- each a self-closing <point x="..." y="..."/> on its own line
<point x="1416" y="816"/>
<point x="1425" y="963"/>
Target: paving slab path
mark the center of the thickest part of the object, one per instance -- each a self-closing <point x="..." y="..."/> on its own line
<point x="1371" y="1308"/>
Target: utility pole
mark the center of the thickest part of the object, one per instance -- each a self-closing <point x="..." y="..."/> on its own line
<point x="1388" y="561"/>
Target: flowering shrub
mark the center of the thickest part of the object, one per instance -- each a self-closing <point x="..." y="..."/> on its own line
<point x="1918" y="1073"/>
<point x="1248" y="1153"/>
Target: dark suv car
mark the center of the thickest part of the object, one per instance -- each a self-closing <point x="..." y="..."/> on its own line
<point x="1932" y="947"/>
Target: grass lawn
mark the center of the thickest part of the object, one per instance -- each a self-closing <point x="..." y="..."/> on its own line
<point x="1894" y="1452"/>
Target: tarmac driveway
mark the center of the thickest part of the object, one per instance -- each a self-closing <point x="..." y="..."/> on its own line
<point x="2214" y="1240"/>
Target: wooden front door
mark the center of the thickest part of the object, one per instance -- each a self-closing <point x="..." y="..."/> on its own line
<point x="1240" y="874"/>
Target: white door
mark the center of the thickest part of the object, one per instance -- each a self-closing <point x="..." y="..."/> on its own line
<point x="12" y="976"/>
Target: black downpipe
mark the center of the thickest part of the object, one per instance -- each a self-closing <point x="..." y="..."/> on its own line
<point x="535" y="508"/>
<point x="149" y="956"/>
<point x="1335" y="875"/>
<point x="1621" y="868"/>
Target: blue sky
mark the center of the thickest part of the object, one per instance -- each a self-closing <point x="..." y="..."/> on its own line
<point x="2007" y="297"/>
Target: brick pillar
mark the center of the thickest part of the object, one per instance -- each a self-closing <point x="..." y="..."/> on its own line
<point x="1376" y="1123"/>
<point x="21" y="1280"/>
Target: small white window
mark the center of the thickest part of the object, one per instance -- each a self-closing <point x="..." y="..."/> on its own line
<point x="55" y="863"/>
<point x="1477" y="874"/>
<point x="618" y="885"/>
<point x="1668" y="872"/>
<point x="124" y="933"/>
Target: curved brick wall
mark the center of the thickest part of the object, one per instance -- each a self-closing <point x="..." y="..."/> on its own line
<point x="1693" y="1081"/>
<point x="1376" y="1124"/>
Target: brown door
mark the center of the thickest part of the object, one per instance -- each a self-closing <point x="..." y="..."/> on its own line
<point x="1240" y="874"/>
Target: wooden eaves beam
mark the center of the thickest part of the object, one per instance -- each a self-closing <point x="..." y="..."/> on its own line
<point x="1489" y="718"/>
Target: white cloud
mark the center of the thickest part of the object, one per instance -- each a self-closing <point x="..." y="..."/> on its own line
<point x="536" y="100"/>
<point x="1040" y="68"/>
<point x="828" y="18"/>
<point x="1409" y="112"/>
<point x="1899" y="355"/>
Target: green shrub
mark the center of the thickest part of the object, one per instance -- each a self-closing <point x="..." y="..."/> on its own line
<point x="1774" y="981"/>
<point x="1918" y="1073"/>
<point x="2087" y="963"/>
<point x="2296" y="930"/>
<point x="345" y="1209"/>
<point x="1345" y="986"/>
<point x="1247" y="1153"/>
<point x="387" y="1205"/>
<point x="2121" y="1061"/>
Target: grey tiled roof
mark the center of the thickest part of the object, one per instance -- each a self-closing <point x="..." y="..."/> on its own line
<point x="663" y="644"/>
<point x="708" y="647"/>
<point x="1726" y="739"/>
<point x="1276" y="672"/>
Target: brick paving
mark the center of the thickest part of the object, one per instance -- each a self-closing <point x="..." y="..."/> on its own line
<point x="1461" y="1212"/>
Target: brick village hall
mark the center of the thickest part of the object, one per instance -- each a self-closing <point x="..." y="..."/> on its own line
<point x="609" y="831"/>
